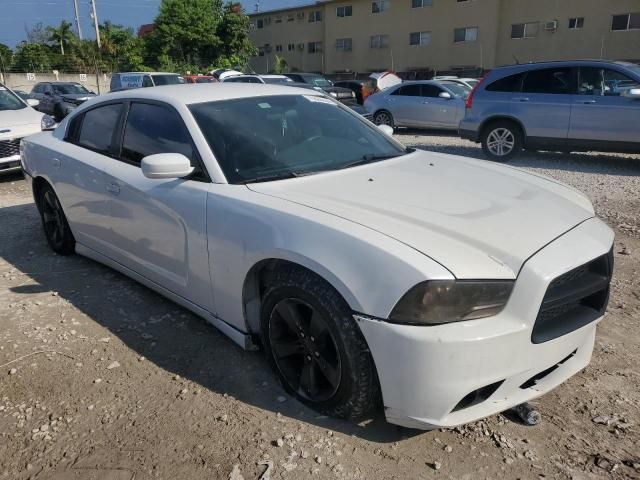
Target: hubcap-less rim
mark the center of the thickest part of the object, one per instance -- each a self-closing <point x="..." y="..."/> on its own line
<point x="52" y="215"/>
<point x="501" y="142"/>
<point x="304" y="350"/>
<point x="383" y="119"/>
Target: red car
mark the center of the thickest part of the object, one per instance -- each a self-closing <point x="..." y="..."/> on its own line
<point x="200" y="79"/>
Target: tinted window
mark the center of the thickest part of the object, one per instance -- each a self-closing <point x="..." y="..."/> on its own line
<point x="431" y="91"/>
<point x="146" y="81"/>
<point x="408" y="91"/>
<point x="8" y="101"/>
<point x="98" y="126"/>
<point x="549" y="80"/>
<point x="154" y="129"/>
<point x="70" y="89"/>
<point x="507" y="84"/>
<point x="167" y="79"/>
<point x="37" y="88"/>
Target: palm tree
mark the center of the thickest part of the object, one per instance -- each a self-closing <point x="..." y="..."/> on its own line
<point x="61" y="35"/>
<point x="281" y="65"/>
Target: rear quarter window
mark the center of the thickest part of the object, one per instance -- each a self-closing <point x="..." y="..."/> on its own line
<point x="512" y="83"/>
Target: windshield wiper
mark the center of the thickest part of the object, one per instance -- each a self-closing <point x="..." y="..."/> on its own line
<point x="369" y="158"/>
<point x="276" y="176"/>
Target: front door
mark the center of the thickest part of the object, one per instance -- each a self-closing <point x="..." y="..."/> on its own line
<point x="435" y="111"/>
<point x="159" y="225"/>
<point x="601" y="111"/>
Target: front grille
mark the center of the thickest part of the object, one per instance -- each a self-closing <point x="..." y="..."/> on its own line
<point x="574" y="299"/>
<point x="9" y="148"/>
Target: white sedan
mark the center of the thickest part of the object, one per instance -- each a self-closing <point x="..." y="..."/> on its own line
<point x="448" y="288"/>
<point x="17" y="120"/>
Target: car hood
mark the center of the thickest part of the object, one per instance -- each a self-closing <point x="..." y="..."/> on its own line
<point x="19" y="123"/>
<point x="478" y="219"/>
<point x="77" y="98"/>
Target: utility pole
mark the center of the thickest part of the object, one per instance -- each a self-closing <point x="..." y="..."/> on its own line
<point x="75" y="8"/>
<point x="95" y="21"/>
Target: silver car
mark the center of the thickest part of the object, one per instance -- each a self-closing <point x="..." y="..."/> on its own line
<point x="420" y="104"/>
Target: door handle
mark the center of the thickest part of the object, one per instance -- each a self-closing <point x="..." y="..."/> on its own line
<point x="113" y="188"/>
<point x="589" y="102"/>
<point x="425" y="102"/>
<point x="522" y="99"/>
<point x="56" y="162"/>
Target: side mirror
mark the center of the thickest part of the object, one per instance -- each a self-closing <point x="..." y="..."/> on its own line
<point x="386" y="129"/>
<point x="633" y="93"/>
<point x="166" y="165"/>
<point x="445" y="95"/>
<point x="32" y="102"/>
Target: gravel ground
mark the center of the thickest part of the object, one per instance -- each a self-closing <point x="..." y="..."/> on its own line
<point x="102" y="379"/>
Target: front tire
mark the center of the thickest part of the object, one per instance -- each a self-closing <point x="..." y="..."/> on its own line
<point x="54" y="222"/>
<point x="315" y="346"/>
<point x="384" y="117"/>
<point x="502" y="141"/>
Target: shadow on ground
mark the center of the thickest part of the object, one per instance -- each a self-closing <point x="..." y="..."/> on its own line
<point x="163" y="332"/>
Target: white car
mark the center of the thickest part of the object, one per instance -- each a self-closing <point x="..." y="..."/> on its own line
<point x="17" y="120"/>
<point x="257" y="79"/>
<point x="450" y="288"/>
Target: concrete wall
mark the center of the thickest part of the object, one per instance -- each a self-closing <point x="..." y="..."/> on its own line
<point x="25" y="81"/>
<point x="493" y="47"/>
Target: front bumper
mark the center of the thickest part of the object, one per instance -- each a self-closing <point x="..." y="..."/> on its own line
<point x="426" y="372"/>
<point x="9" y="155"/>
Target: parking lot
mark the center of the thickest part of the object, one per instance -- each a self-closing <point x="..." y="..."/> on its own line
<point x="101" y="378"/>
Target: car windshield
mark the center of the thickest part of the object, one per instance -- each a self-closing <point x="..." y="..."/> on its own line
<point x="283" y="136"/>
<point x="167" y="79"/>
<point x="277" y="80"/>
<point x="320" y="82"/>
<point x="9" y="101"/>
<point x="70" y="89"/>
<point x="458" y="89"/>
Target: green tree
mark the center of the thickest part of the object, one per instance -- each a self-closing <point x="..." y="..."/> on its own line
<point x="185" y="30"/>
<point x="280" y="66"/>
<point x="61" y="35"/>
<point x="37" y="34"/>
<point x="6" y="57"/>
<point x="121" y="49"/>
<point x="32" y="57"/>
<point x="233" y="32"/>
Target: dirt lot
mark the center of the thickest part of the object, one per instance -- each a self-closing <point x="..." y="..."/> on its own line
<point x="102" y="379"/>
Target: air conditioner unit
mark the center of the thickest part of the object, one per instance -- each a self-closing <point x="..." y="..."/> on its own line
<point x="551" y="26"/>
<point x="301" y="46"/>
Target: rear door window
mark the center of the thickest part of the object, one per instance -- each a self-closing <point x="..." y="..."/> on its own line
<point x="556" y="81"/>
<point x="152" y="129"/>
<point x="98" y="126"/>
<point x="408" y="91"/>
<point x="509" y="84"/>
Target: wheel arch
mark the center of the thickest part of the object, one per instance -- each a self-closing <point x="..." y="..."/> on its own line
<point x="257" y="277"/>
<point x="498" y="118"/>
<point x="39" y="182"/>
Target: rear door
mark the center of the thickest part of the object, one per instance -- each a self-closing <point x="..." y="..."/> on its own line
<point x="544" y="104"/>
<point x="158" y="225"/>
<point x="77" y="173"/>
<point x="601" y="111"/>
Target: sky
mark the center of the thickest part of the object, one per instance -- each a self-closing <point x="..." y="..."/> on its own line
<point x="16" y="15"/>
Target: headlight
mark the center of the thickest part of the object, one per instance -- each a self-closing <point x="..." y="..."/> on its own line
<point x="444" y="301"/>
<point x="333" y="94"/>
<point x="47" y="123"/>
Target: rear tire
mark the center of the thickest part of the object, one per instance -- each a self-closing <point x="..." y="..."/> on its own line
<point x="502" y="141"/>
<point x="54" y="222"/>
<point x="315" y="346"/>
<point x="383" y="117"/>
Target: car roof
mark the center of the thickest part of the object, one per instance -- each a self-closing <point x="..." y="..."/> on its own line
<point x="568" y="63"/>
<point x="200" y="93"/>
<point x="147" y="73"/>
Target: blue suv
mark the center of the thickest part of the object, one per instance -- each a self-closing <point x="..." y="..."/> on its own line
<point x="563" y="106"/>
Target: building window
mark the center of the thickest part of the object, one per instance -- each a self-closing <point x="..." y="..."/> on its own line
<point x="261" y="51"/>
<point x="278" y="20"/>
<point x="379" y="6"/>
<point x="525" y="30"/>
<point x="420" y="38"/>
<point x="278" y="48"/>
<point x="315" y="47"/>
<point x="291" y="47"/>
<point x="343" y="45"/>
<point x="628" y="21"/>
<point x="576" y="23"/>
<point x="421" y="3"/>
<point x="260" y="23"/>
<point x="379" y="41"/>
<point x="315" y="16"/>
<point x="345" y="11"/>
<point x="468" y="34"/>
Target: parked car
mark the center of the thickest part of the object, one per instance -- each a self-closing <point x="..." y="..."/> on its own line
<point x="258" y="79"/>
<point x="459" y="89"/>
<point x="200" y="79"/>
<point x="567" y="106"/>
<point x="222" y="73"/>
<point x="419" y="104"/>
<point x="467" y="82"/>
<point x="366" y="269"/>
<point x="361" y="88"/>
<point x="317" y="80"/>
<point x="22" y="94"/>
<point x="58" y="99"/>
<point x="129" y="80"/>
<point x="352" y="103"/>
<point x="18" y="119"/>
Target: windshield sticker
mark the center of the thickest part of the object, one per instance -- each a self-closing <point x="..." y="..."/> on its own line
<point x="264" y="105"/>
<point x="315" y="99"/>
